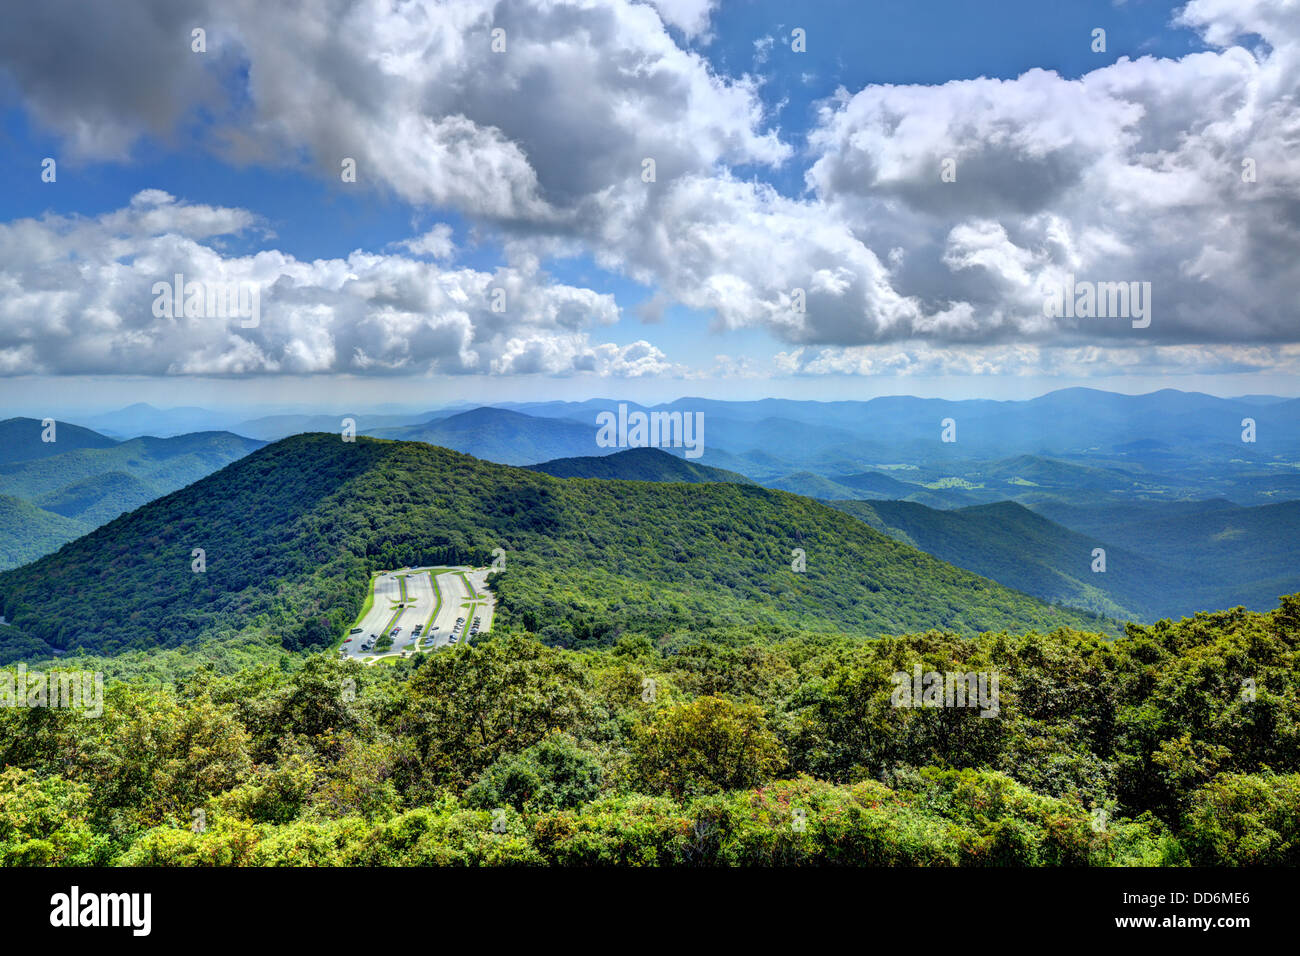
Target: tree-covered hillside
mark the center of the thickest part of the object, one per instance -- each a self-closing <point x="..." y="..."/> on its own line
<point x="290" y="533"/>
<point x="1167" y="566"/>
<point x="1016" y="547"/>
<point x="1220" y="554"/>
<point x="22" y="439"/>
<point x="100" y="498"/>
<point x="1176" y="744"/>
<point x="160" y="464"/>
<point x="30" y="531"/>
<point x="88" y="479"/>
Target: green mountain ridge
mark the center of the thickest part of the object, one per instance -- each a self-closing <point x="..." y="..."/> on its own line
<point x="1016" y="547"/>
<point x="99" y="498"/>
<point x="291" y="532"/>
<point x="20" y="439"/>
<point x="499" y="435"/>
<point x="638" y="464"/>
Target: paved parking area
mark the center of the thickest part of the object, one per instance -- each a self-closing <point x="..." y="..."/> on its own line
<point x="432" y="598"/>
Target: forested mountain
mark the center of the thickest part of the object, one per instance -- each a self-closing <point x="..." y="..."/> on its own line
<point x="1068" y="447"/>
<point x="862" y="487"/>
<point x="290" y="533"/>
<point x="506" y="437"/>
<point x="811" y="485"/>
<point x="1013" y="546"/>
<point x="20" y="440"/>
<point x="1028" y="479"/>
<point x="766" y="700"/>
<point x="1220" y="553"/>
<point x="1102" y="519"/>
<point x="164" y="464"/>
<point x="27" y="532"/>
<point x="874" y="484"/>
<point x="1160" y="567"/>
<point x="637" y="464"/>
<point x="1067" y="422"/>
<point x="100" y="498"/>
<point x="890" y="448"/>
<point x="91" y="479"/>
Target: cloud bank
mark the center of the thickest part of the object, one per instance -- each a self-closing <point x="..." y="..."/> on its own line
<point x="1182" y="173"/>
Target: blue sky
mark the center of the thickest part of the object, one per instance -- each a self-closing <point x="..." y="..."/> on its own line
<point x="778" y="170"/>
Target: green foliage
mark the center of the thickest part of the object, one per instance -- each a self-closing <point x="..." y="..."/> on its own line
<point x="99" y="498"/>
<point x="703" y="746"/>
<point x="53" y="492"/>
<point x="1155" y="560"/>
<point x="1013" y="546"/>
<point x="21" y="440"/>
<point x="555" y="774"/>
<point x="1246" y="820"/>
<point x="469" y="708"/>
<point x="752" y="744"/>
<point x="43" y="822"/>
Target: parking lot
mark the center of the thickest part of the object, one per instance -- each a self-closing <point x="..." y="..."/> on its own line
<point x="421" y="609"/>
